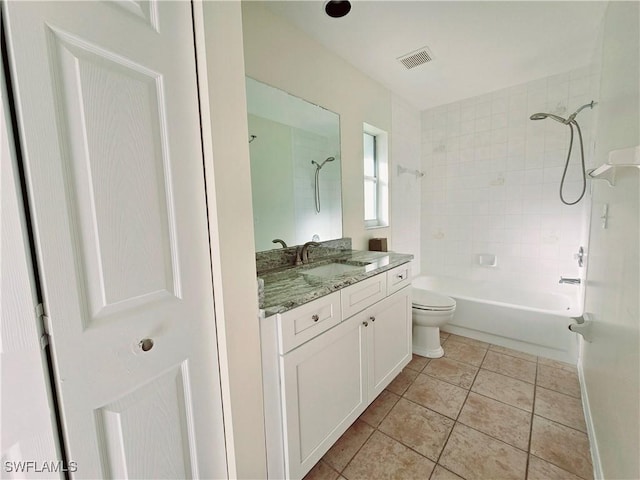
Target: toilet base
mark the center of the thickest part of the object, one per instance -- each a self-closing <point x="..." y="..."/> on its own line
<point x="425" y="352"/>
<point x="426" y="341"/>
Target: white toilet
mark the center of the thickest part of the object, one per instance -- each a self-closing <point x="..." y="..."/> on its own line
<point x="430" y="312"/>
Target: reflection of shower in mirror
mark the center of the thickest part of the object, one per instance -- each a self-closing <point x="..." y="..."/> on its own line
<point x="317" y="184"/>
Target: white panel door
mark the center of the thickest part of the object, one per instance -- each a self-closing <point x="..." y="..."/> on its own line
<point x="26" y="412"/>
<point x="108" y="110"/>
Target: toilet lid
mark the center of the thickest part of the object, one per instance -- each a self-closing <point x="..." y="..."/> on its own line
<point x="431" y="300"/>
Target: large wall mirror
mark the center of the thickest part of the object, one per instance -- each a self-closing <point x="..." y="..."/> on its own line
<point x="295" y="168"/>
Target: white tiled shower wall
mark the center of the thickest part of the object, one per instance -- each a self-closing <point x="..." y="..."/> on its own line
<point x="492" y="181"/>
<point x="326" y="224"/>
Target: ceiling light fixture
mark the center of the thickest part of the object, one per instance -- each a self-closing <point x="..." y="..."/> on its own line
<point x="337" y="8"/>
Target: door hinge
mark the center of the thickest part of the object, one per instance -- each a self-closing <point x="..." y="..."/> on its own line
<point x="43" y="325"/>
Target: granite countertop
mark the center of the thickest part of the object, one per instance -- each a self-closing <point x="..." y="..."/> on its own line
<point x="288" y="287"/>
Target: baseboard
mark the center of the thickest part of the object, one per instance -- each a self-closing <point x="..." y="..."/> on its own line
<point x="593" y="443"/>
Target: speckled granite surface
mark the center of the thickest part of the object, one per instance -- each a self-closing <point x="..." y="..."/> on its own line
<point x="283" y="257"/>
<point x="290" y="287"/>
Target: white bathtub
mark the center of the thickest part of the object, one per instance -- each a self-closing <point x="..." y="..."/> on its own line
<point x="533" y="322"/>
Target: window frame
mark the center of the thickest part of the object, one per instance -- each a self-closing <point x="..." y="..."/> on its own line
<point x="380" y="177"/>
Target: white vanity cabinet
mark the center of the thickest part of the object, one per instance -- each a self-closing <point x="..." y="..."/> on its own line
<point x="388" y="334"/>
<point x="318" y="379"/>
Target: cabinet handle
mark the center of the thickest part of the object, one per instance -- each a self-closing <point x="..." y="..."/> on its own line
<point x="373" y="319"/>
<point x="366" y="324"/>
<point x="315" y="318"/>
<point x="400" y="276"/>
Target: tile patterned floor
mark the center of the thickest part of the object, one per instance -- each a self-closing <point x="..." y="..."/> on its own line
<point x="481" y="412"/>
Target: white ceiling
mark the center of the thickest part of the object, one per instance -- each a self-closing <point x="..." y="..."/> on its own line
<point x="477" y="46"/>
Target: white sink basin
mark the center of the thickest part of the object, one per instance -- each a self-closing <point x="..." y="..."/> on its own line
<point x="331" y="270"/>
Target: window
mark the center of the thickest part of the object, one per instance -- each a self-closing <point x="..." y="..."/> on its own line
<point x="376" y="185"/>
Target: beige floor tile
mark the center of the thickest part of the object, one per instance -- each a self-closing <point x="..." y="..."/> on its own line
<point x="511" y="366"/>
<point x="504" y="389"/>
<point x="464" y="352"/>
<point x="384" y="458"/>
<point x="474" y="455"/>
<point x="452" y="371"/>
<point x="441" y="473"/>
<point x="470" y="341"/>
<point x="541" y="470"/>
<point x="560" y="408"/>
<point x="419" y="428"/>
<point x="514" y="353"/>
<point x="562" y="446"/>
<point x="443" y="336"/>
<point x="321" y="471"/>
<point x="379" y="408"/>
<point x="502" y="421"/>
<point x="400" y="384"/>
<point x="341" y="453"/>
<point x="556" y="364"/>
<point x="559" y="379"/>
<point x="417" y="363"/>
<point x="437" y="395"/>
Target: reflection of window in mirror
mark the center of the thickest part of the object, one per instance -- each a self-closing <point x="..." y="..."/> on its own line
<point x="376" y="177"/>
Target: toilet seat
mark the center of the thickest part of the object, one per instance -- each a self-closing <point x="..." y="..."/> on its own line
<point x="431" y="301"/>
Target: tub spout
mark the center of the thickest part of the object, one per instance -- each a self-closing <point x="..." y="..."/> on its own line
<point x="582" y="326"/>
<point x="571" y="281"/>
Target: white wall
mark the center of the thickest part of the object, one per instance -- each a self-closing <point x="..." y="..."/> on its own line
<point x="271" y="157"/>
<point x="611" y="363"/>
<point x="228" y="181"/>
<point x="492" y="180"/>
<point x="279" y="54"/>
<point x="405" y="188"/>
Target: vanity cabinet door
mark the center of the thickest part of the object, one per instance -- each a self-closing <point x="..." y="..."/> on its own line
<point x="323" y="392"/>
<point x="389" y="338"/>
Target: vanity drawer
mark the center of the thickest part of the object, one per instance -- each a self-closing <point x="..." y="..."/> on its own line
<point x="398" y="278"/>
<point x="305" y="322"/>
<point x="359" y="296"/>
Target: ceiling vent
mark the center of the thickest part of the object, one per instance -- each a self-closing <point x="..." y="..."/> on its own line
<point x="417" y="57"/>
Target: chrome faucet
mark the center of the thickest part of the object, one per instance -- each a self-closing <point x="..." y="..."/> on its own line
<point x="302" y="253"/>
<point x="571" y="281"/>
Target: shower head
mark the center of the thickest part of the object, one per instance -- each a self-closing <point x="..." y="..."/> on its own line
<point x="542" y="116"/>
<point x="319" y="166"/>
<point x="566" y="121"/>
